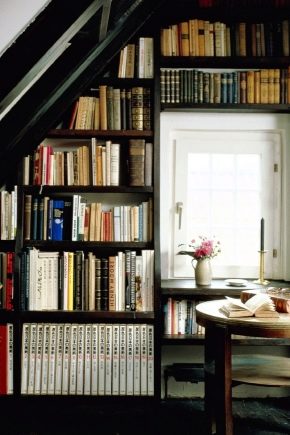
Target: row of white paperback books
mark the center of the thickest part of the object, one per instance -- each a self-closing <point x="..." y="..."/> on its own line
<point x="87" y="359"/>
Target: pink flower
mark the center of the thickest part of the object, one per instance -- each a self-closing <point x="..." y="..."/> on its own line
<point x="205" y="248"/>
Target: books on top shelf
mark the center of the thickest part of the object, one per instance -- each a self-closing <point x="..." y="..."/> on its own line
<point x="198" y="37"/>
<point x="85" y="359"/>
<point x="259" y="305"/>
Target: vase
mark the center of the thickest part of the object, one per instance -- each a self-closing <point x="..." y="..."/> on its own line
<point x="203" y="272"/>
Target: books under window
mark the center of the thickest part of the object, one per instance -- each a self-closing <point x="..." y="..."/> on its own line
<point x="259" y="305"/>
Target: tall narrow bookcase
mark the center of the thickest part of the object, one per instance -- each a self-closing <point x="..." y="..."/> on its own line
<point x="73" y="339"/>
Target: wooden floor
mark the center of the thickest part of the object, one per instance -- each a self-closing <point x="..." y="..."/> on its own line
<point x="172" y="417"/>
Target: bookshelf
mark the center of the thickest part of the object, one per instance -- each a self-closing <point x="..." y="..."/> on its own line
<point x="128" y="326"/>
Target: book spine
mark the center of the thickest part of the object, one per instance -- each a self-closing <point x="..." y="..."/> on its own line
<point x="116" y="360"/>
<point x="102" y="361"/>
<point x="108" y="359"/>
<point x="25" y="357"/>
<point x="88" y="359"/>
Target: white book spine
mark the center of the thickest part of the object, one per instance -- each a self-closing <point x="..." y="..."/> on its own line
<point x="137" y="360"/>
<point x="143" y="369"/>
<point x="88" y="359"/>
<point x="73" y="359"/>
<point x="150" y="368"/>
<point x="130" y="362"/>
<point x="51" y="359"/>
<point x="66" y="358"/>
<point x="59" y="358"/>
<point x="32" y="358"/>
<point x="102" y="350"/>
<point x="108" y="363"/>
<point x="38" y="361"/>
<point x="115" y="164"/>
<point x="116" y="360"/>
<point x="95" y="359"/>
<point x="76" y="201"/>
<point x="123" y="357"/>
<point x="45" y="351"/>
<point x="25" y="357"/>
<point x="80" y="359"/>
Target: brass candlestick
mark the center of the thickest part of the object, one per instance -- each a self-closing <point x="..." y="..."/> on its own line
<point x="261" y="279"/>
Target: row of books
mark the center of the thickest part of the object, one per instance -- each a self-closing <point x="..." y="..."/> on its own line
<point x="137" y="60"/>
<point x="198" y="37"/>
<point x="180" y="317"/>
<point x="6" y="359"/>
<point x="87" y="359"/>
<point x="83" y="281"/>
<point x="8" y="214"/>
<point x="72" y="218"/>
<point x="96" y="164"/>
<point x="265" y="86"/>
<point x="113" y="109"/>
<point x="7" y="267"/>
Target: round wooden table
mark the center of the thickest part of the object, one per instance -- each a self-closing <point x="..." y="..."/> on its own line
<point x="218" y="357"/>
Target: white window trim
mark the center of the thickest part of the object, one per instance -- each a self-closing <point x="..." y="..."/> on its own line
<point x="170" y="121"/>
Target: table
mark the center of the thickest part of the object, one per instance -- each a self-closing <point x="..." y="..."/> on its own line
<point x="218" y="357"/>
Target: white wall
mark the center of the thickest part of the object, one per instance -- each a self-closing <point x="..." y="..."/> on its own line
<point x="15" y="16"/>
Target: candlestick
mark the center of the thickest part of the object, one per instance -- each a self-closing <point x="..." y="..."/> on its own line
<point x="262" y="234"/>
<point x="261" y="279"/>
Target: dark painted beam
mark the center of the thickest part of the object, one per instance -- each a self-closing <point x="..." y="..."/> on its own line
<point x="38" y="37"/>
<point x="27" y="124"/>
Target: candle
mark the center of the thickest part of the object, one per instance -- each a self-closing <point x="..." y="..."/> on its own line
<point x="262" y="234"/>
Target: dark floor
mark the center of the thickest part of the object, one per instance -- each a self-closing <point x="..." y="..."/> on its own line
<point x="172" y="417"/>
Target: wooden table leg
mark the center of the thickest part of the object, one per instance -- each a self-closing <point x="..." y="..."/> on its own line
<point x="218" y="381"/>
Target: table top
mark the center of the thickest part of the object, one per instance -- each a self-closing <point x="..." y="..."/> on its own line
<point x="209" y="314"/>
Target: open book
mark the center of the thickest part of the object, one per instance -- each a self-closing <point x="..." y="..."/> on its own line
<point x="259" y="305"/>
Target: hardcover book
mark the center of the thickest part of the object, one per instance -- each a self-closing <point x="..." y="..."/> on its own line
<point x="260" y="305"/>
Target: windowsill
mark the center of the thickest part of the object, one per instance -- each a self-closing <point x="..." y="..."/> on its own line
<point x="218" y="287"/>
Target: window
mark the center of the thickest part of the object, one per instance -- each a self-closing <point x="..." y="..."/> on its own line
<point x="224" y="181"/>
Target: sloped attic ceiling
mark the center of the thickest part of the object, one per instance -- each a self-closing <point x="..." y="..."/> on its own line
<point x="54" y="61"/>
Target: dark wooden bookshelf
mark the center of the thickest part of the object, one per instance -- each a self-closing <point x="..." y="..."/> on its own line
<point x="45" y="189"/>
<point x="225" y="107"/>
<point x="226" y="62"/>
<point x="86" y="134"/>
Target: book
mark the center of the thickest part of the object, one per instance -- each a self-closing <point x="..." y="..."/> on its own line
<point x="137" y="162"/>
<point x="87" y="359"/>
<point x="260" y="305"/>
<point x="25" y="357"/>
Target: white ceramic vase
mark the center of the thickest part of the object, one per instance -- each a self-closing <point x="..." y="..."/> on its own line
<point x="203" y="272"/>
